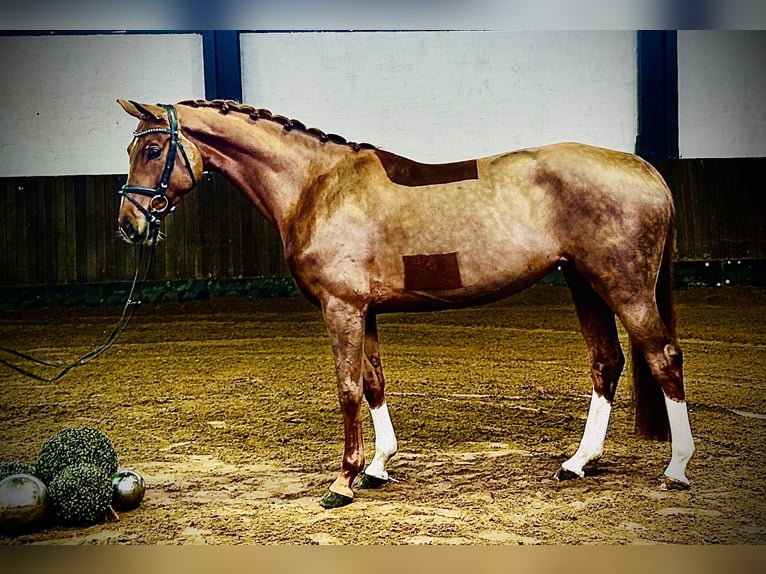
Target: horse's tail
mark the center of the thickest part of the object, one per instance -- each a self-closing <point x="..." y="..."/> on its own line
<point x="648" y="398"/>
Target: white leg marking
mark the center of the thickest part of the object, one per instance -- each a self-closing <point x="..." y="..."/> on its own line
<point x="385" y="442"/>
<point x="592" y="443"/>
<point x="682" y="443"/>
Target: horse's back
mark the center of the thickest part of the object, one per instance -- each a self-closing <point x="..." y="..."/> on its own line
<point x="583" y="168"/>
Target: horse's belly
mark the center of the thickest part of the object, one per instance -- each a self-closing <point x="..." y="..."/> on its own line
<point x="474" y="273"/>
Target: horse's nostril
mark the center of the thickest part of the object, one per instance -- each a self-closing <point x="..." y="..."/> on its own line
<point x="129" y="230"/>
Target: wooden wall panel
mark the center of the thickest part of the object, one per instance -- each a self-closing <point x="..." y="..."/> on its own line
<point x="62" y="230"/>
<point x="720" y="206"/>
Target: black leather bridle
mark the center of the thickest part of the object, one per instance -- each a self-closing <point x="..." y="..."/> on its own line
<point x="160" y="203"/>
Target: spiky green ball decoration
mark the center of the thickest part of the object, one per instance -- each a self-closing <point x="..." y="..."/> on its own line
<point x="9" y="467"/>
<point x="80" y="494"/>
<point x="74" y="445"/>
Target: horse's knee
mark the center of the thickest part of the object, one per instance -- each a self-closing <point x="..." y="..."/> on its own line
<point x="349" y="394"/>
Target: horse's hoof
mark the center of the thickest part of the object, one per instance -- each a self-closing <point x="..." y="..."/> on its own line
<point x="335" y="500"/>
<point x="368" y="481"/>
<point x="563" y="474"/>
<point x="668" y="483"/>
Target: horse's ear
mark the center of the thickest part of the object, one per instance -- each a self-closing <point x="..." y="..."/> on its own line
<point x="140" y="111"/>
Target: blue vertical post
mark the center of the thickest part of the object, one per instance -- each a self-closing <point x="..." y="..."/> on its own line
<point x="222" y="64"/>
<point x="657" y="94"/>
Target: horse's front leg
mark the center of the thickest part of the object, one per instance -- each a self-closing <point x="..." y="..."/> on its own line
<point x="345" y="324"/>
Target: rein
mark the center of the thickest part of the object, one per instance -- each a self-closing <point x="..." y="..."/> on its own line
<point x="160" y="203"/>
<point x="128" y="310"/>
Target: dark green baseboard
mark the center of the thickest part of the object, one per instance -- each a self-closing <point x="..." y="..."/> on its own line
<point x="687" y="274"/>
<point x="720" y="273"/>
<point x="149" y="292"/>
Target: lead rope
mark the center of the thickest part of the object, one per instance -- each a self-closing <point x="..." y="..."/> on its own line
<point x="128" y="311"/>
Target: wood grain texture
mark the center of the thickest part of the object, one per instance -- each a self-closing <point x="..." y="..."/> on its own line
<point x="62" y="230"/>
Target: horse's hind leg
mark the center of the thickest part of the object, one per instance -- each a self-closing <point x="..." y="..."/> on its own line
<point x="375" y="475"/>
<point x="657" y="344"/>
<point x="597" y="322"/>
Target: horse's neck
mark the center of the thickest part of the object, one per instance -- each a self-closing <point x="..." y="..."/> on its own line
<point x="269" y="167"/>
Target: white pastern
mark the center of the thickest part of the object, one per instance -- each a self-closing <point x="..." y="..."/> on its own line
<point x="682" y="443"/>
<point x="385" y="442"/>
<point x="592" y="443"/>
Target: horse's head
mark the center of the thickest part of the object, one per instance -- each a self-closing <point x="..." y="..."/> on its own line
<point x="154" y="184"/>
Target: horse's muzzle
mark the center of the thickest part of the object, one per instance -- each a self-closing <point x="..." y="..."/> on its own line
<point x="129" y="232"/>
<point x="136" y="230"/>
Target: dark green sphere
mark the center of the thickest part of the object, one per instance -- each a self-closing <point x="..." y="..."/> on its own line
<point x="80" y="494"/>
<point x="75" y="445"/>
<point x="9" y="467"/>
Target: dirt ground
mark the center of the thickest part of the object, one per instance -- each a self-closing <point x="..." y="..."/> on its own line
<point x="228" y="408"/>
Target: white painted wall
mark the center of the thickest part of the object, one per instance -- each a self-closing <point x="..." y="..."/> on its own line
<point x="722" y="93"/>
<point x="436" y="96"/>
<point x="442" y="96"/>
<point x="57" y="96"/>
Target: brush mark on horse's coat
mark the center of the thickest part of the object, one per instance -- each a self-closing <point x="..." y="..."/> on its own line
<point x="435" y="272"/>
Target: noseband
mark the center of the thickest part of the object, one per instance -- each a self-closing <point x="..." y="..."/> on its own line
<point x="160" y="203"/>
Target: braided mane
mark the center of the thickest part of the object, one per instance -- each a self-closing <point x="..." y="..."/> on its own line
<point x="288" y="125"/>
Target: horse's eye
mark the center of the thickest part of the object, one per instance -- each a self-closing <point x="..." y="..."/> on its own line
<point x="153" y="153"/>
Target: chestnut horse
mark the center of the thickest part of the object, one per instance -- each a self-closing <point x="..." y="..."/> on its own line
<point x="366" y="232"/>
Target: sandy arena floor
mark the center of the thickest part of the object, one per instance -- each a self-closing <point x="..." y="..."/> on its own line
<point x="228" y="408"/>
